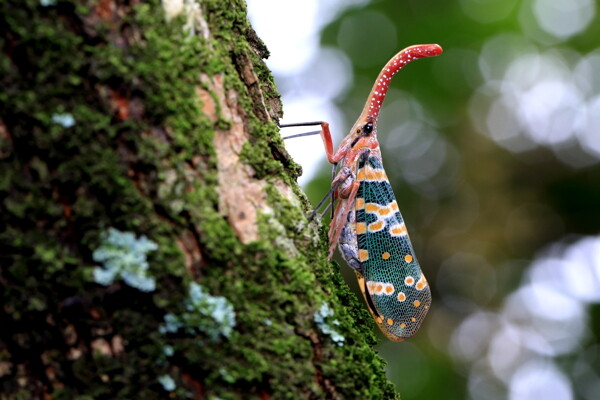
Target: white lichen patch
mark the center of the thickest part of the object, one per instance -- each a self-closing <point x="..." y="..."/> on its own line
<point x="212" y="315"/>
<point x="172" y="8"/>
<point x="195" y="23"/>
<point x="167" y="382"/>
<point x="168" y="350"/>
<point x="322" y="318"/>
<point x="65" y="120"/>
<point x="282" y="241"/>
<point x="123" y="256"/>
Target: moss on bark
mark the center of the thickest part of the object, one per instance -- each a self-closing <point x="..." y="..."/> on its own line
<point x="159" y="124"/>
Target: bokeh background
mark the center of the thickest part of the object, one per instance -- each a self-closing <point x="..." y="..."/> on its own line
<point x="493" y="150"/>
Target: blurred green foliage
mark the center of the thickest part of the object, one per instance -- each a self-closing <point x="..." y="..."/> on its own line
<point x="484" y="213"/>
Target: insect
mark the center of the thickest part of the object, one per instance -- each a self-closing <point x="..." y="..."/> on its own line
<point x="367" y="224"/>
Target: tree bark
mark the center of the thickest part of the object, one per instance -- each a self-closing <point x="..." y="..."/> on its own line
<point x="153" y="240"/>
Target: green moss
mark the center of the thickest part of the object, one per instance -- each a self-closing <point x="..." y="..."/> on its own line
<point x="114" y="136"/>
<point x="353" y="321"/>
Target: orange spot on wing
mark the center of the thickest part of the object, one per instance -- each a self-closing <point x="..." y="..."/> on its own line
<point x="409" y="280"/>
<point x="394" y="206"/>
<point x="390" y="321"/>
<point x="401" y="296"/>
<point x="385" y="255"/>
<point x="422" y="284"/>
<point x="389" y="289"/>
<point x="383" y="211"/>
<point x="361" y="228"/>
<point x="371" y="207"/>
<point x="398" y="230"/>
<point x="408" y="258"/>
<point x="416" y="303"/>
<point x="359" y="203"/>
<point x="403" y="325"/>
<point x="376" y="226"/>
<point x="363" y="255"/>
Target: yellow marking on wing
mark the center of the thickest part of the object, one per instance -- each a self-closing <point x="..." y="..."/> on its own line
<point x="403" y="325"/>
<point x="371" y="175"/>
<point x="416" y="303"/>
<point x="422" y="284"/>
<point x="370" y="286"/>
<point x="385" y="255"/>
<point x="394" y="206"/>
<point x="361" y="228"/>
<point x="390" y="321"/>
<point x="408" y="258"/>
<point x="378" y="288"/>
<point x="401" y="296"/>
<point x="359" y="203"/>
<point x="398" y="230"/>
<point x="389" y="289"/>
<point x="360" y="175"/>
<point x="409" y="281"/>
<point x="363" y="255"/>
<point x="376" y="226"/>
<point x="384" y="211"/>
<point x="378" y="175"/>
<point x="371" y="207"/>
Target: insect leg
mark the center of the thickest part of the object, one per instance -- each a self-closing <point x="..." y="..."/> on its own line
<point x="331" y="192"/>
<point x="333" y="172"/>
<point x="325" y="136"/>
<point x="301" y="124"/>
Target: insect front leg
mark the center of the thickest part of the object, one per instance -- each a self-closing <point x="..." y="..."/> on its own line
<point x="325" y="134"/>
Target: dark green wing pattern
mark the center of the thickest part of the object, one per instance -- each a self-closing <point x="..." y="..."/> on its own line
<point x="393" y="279"/>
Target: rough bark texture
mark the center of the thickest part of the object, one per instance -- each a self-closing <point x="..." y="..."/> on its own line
<point x="153" y="241"/>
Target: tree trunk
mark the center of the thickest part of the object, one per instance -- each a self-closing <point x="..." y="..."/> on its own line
<point x="153" y="240"/>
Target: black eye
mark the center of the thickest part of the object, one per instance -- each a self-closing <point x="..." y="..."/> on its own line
<point x="367" y="128"/>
